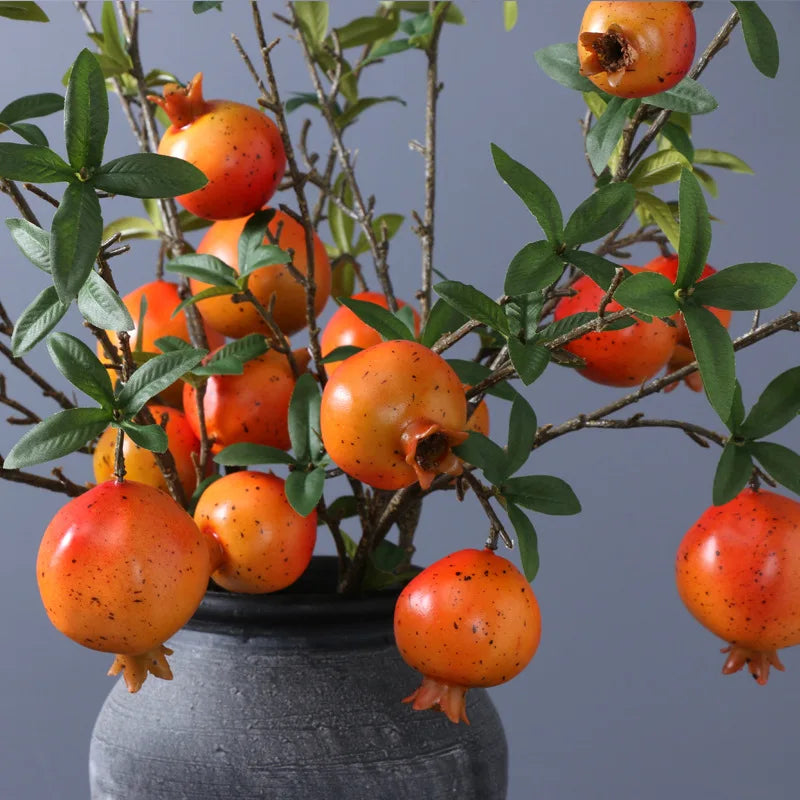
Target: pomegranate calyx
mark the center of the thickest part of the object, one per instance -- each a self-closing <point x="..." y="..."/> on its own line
<point x="612" y="53"/>
<point x="427" y="449"/>
<point x="135" y="668"/>
<point x="440" y="696"/>
<point x="182" y="104"/>
<point x="758" y="662"/>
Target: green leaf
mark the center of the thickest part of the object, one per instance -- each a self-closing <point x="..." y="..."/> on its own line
<point x="23" y="10"/>
<point x="389" y="48"/>
<point x="263" y="256"/>
<point x="524" y="312"/>
<point x="30" y="133"/>
<point x="101" y="306"/>
<point x="510" y="11"/>
<point x="533" y="191"/>
<point x="57" y="436"/>
<point x="304" y="419"/>
<point x="777" y="406"/>
<point x="706" y="181"/>
<point x="648" y="292"/>
<point x="714" y="352"/>
<point x="201" y="6"/>
<point x="350" y="114"/>
<point x="37" y="320"/>
<point x="680" y="140"/>
<point x="662" y="167"/>
<point x="599" y="269"/>
<point x="603" y="137"/>
<point x="688" y="96"/>
<point x="529" y="359"/>
<point x="304" y="489"/>
<point x="341" y="353"/>
<point x="341" y="225"/>
<point x="733" y="471"/>
<point x="600" y="213"/>
<point x="32" y="163"/>
<point x="527" y="540"/>
<point x="662" y="215"/>
<point x="718" y="158"/>
<point x="299" y="99"/>
<point x="131" y="228"/>
<point x="313" y="18"/>
<point x="245" y="454"/>
<point x="85" y="112"/>
<point x="148" y="175"/>
<point x="343" y="508"/>
<point x="212" y="291"/>
<point x="442" y="319"/>
<point x="695" y="231"/>
<point x="482" y="452"/>
<point x="560" y="62"/>
<point x="780" y="462"/>
<point x="32" y="241"/>
<point x="736" y="417"/>
<point x="534" y="267"/>
<point x="30" y="106"/>
<point x="253" y="236"/>
<point x="204" y="267"/>
<point x="112" y="41"/>
<point x="474" y="304"/>
<point x="81" y="367"/>
<point x="150" y="437"/>
<point x="383" y="321"/>
<point x="153" y="377"/>
<point x="760" y="38"/>
<point x="453" y="14"/>
<point x="243" y="350"/>
<point x="365" y="30"/>
<point x="392" y="222"/>
<point x="522" y="425"/>
<point x="544" y="493"/>
<point x="75" y="239"/>
<point x="745" y="287"/>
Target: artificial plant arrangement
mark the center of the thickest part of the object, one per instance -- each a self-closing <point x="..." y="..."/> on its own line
<point x="191" y="381"/>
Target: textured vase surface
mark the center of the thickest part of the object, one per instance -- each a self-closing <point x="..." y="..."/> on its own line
<point x="291" y="696"/>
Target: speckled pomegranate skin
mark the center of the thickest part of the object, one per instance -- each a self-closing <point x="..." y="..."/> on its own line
<point x="469" y="619"/>
<point x="624" y="357"/>
<point x="267" y="545"/>
<point x="663" y="34"/>
<point x="379" y="394"/>
<point x="241" y="153"/>
<point x="122" y="568"/>
<point x="251" y="407"/>
<point x="738" y="570"/>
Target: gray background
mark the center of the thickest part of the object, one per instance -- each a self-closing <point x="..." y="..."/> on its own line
<point x="624" y="698"/>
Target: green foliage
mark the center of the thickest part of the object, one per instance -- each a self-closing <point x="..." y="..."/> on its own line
<point x="28" y="107"/>
<point x="689" y="97"/>
<point x="604" y="135"/>
<point x="734" y="469"/>
<point x="695" y="231"/>
<point x="600" y="213"/>
<point x="560" y="62"/>
<point x="23" y="10"/>
<point x="201" y="6"/>
<point x="648" y="292"/>
<point x="745" y="287"/>
<point x="760" y="38"/>
<point x="388" y="325"/>
<point x="474" y="304"/>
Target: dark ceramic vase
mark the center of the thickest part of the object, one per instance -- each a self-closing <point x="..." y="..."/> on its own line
<point x="291" y="696"/>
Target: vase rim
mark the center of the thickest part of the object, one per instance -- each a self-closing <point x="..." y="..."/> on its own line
<point x="311" y="599"/>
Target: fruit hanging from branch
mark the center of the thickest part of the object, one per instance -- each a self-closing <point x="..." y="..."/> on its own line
<point x="253" y="158"/>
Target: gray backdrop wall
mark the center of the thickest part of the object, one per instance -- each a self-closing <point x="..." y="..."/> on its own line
<point x="624" y="698"/>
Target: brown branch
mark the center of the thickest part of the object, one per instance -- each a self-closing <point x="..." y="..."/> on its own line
<point x="58" y="484"/>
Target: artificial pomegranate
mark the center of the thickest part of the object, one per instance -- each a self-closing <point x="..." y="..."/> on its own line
<point x="236" y="146"/>
<point x="635" y="49"/>
<point x="470" y="619"/>
<point x="390" y="415"/>
<point x="122" y="568"/>
<point x="266" y="545"/>
<point x="738" y="574"/>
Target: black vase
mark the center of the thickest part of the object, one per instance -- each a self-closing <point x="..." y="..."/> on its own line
<point x="291" y="696"/>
